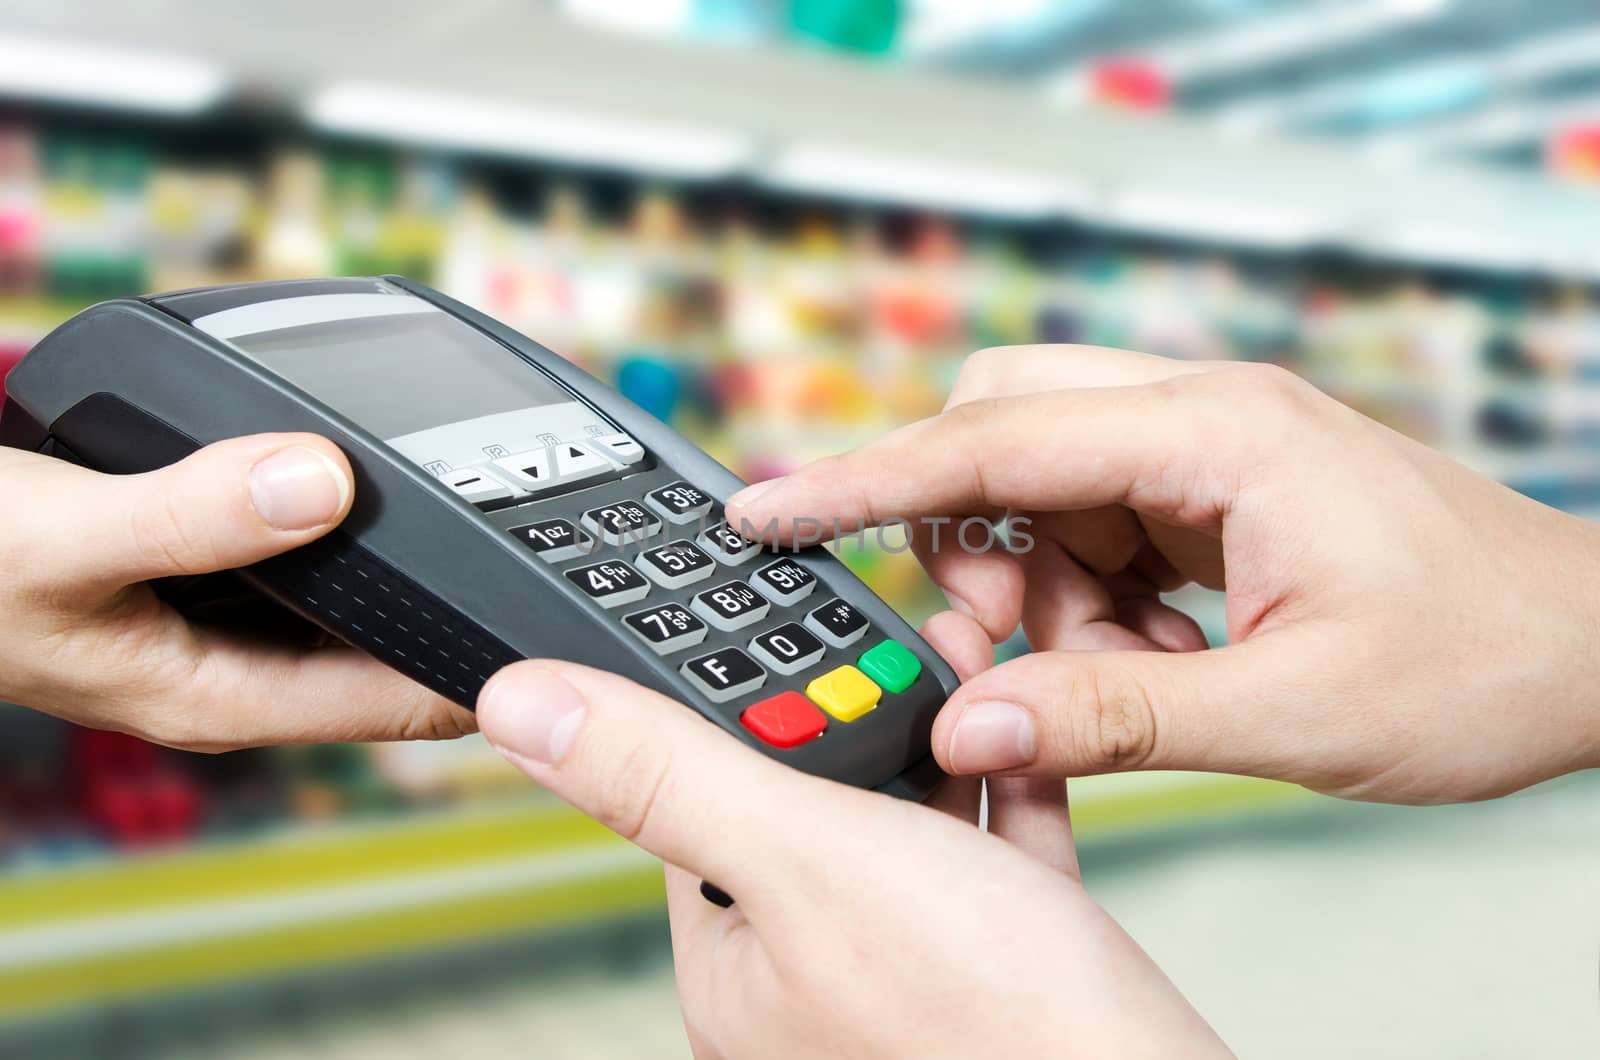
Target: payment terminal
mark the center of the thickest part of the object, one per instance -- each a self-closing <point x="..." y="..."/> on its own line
<point x="508" y="506"/>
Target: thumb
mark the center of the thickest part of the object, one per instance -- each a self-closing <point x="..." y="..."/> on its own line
<point x="659" y="775"/>
<point x="1066" y="714"/>
<point x="229" y="505"/>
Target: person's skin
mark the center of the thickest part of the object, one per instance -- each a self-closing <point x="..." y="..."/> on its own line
<point x="863" y="926"/>
<point x="86" y="640"/>
<point x="1400" y="628"/>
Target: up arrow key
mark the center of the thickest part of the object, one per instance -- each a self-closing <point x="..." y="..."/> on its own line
<point x="575" y="461"/>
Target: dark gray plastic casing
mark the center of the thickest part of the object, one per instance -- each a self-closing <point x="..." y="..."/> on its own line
<point x="413" y="559"/>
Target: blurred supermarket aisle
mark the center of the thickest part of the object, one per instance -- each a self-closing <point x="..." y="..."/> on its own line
<point x="581" y="1018"/>
<point x="788" y="250"/>
<point x="1320" y="932"/>
<point x="1387" y="932"/>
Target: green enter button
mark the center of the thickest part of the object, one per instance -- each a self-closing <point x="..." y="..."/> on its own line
<point x="891" y="665"/>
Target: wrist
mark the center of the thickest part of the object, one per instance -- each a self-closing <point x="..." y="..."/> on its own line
<point x="1573" y="604"/>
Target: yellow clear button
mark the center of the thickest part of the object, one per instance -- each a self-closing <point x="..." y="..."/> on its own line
<point x="845" y="693"/>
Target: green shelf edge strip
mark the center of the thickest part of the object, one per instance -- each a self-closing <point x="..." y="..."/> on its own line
<point x="377" y="854"/>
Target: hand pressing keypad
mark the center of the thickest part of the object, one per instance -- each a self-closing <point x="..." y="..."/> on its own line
<point x="764" y="633"/>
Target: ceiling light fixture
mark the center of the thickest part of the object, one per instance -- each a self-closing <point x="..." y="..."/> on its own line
<point x="67" y="71"/>
<point x="1255" y="42"/>
<point x="874" y="177"/>
<point x="1219" y="220"/>
<point x="475" y="123"/>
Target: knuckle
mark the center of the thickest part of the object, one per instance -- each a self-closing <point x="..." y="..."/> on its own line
<point x="1116" y="724"/>
<point x="433" y="719"/>
<point x="165" y="539"/>
<point x="1265" y="382"/>
<point x="970" y="415"/>
<point x="980" y="370"/>
<point x="176" y="705"/>
<point x="1248" y="408"/>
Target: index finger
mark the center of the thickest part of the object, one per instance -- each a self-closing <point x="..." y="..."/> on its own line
<point x="1164" y="448"/>
<point x="1007" y="371"/>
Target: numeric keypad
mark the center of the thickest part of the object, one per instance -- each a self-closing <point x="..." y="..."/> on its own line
<point x="676" y="564"/>
<point x="731" y="605"/>
<point x="724" y="675"/>
<point x="784" y="582"/>
<point x="788" y="649"/>
<point x="679" y="503"/>
<point x="610" y="584"/>
<point x="728" y="545"/>
<point x="621" y="523"/>
<point x="667" y="628"/>
<point x="554" y="540"/>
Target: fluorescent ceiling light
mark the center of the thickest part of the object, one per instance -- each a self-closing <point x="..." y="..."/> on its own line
<point x="1553" y="53"/>
<point x="656" y="18"/>
<point x="475" y="123"/>
<point x="1269" y="39"/>
<point x="852" y="174"/>
<point x="934" y="26"/>
<point x="1439" y="245"/>
<point x="1499" y="126"/>
<point x="66" y="71"/>
<point x="1410" y="93"/>
<point x="1260" y="41"/>
<point x="1234" y="221"/>
<point x="1505" y="70"/>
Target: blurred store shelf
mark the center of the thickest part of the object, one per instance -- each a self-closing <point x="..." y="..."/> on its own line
<point x="524" y="81"/>
<point x="114" y="929"/>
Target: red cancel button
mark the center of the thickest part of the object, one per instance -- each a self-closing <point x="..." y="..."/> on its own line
<point x="786" y="720"/>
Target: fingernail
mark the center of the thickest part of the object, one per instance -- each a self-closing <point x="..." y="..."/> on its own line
<point x="298" y="488"/>
<point x="990" y="737"/>
<point x="749" y="494"/>
<point x="959" y="604"/>
<point x="532" y="714"/>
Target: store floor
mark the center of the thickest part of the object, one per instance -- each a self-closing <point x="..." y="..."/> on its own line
<point x="1462" y="932"/>
<point x="1467" y="932"/>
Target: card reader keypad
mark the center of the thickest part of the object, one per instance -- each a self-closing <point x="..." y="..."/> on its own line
<point x="556" y="466"/>
<point x="621" y="523"/>
<point x="610" y="584"/>
<point x="784" y="582"/>
<point x="723" y="675"/>
<point x="676" y="564"/>
<point x="478" y="487"/>
<point x="732" y="605"/>
<point x="750" y="638"/>
<point x="788" y="649"/>
<point x="679" y="503"/>
<point x="667" y="628"/>
<point x="554" y="540"/>
<point x="838" y="623"/>
<point x="728" y="545"/>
